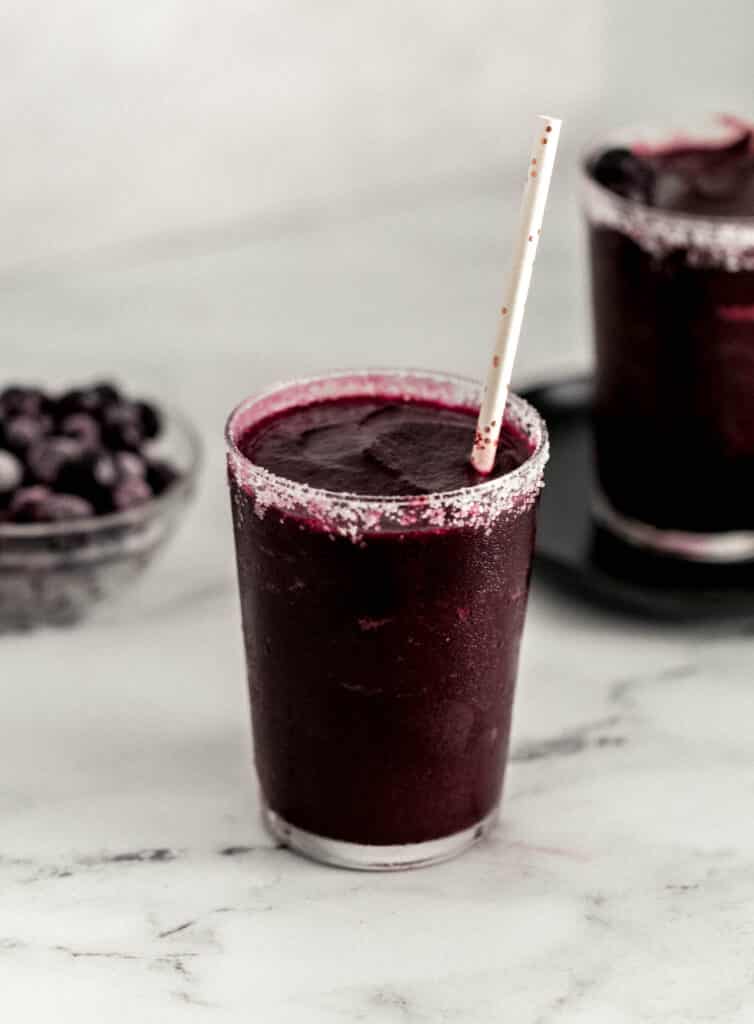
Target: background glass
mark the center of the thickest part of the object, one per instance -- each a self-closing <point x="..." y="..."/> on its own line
<point x="674" y="382"/>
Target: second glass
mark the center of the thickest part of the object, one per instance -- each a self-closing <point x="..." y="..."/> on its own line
<point x="673" y="300"/>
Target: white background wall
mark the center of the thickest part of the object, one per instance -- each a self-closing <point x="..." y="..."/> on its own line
<point x="252" y="186"/>
<point x="127" y="120"/>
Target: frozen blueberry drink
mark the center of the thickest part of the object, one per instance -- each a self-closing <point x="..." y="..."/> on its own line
<point x="671" y="228"/>
<point x="383" y="589"/>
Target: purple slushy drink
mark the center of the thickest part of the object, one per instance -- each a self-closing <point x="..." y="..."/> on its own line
<point x="671" y="228"/>
<point x="383" y="591"/>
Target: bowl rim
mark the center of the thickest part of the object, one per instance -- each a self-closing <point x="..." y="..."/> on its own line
<point x="92" y="525"/>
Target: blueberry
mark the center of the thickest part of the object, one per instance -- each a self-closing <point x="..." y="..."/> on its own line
<point x="122" y="427"/>
<point x="56" y="508"/>
<point x="21" y="432"/>
<point x="151" y="420"/>
<point x="82" y="427"/>
<point x="92" y="477"/>
<point x="20" y="401"/>
<point x="77" y="400"/>
<point x="25" y="503"/>
<point x="12" y="400"/>
<point x="131" y="493"/>
<point x="90" y="400"/>
<point x="160" y="475"/>
<point x="623" y="173"/>
<point x="11" y="473"/>
<point x="51" y="459"/>
<point x="129" y="466"/>
<point x="41" y="505"/>
<point x="107" y="393"/>
<point x="107" y="473"/>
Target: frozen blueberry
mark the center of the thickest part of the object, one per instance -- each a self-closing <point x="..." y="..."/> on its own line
<point x="106" y="392"/>
<point x="52" y="459"/>
<point x="108" y="472"/>
<point x="122" y="427"/>
<point x="105" y="471"/>
<point x="11" y="401"/>
<point x="21" y="432"/>
<point x="20" y="401"/>
<point x="56" y="508"/>
<point x="93" y="478"/>
<point x="41" y="505"/>
<point x="82" y="427"/>
<point x="25" y="504"/>
<point x="77" y="400"/>
<point x="623" y="173"/>
<point x="160" y="475"/>
<point x="151" y="420"/>
<point x="129" y="466"/>
<point x="98" y="473"/>
<point x="90" y="400"/>
<point x="11" y="473"/>
<point x="131" y="493"/>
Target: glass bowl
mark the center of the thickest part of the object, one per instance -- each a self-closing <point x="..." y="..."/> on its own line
<point x="54" y="573"/>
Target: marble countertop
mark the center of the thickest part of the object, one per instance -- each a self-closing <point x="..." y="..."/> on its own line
<point x="137" y="882"/>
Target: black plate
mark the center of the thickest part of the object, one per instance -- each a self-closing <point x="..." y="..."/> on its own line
<point x="574" y="553"/>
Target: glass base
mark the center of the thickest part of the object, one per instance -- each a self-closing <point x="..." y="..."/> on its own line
<point x="361" y="857"/>
<point x="727" y="548"/>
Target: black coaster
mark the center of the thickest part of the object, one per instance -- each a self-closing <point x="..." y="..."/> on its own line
<point x="575" y="553"/>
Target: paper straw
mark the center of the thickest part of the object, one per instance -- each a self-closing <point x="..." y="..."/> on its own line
<point x="495" y="396"/>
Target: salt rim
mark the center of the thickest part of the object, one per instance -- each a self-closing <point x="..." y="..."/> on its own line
<point x="708" y="241"/>
<point x="356" y="515"/>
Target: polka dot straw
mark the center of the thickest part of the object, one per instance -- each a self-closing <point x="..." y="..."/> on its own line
<point x="538" y="174"/>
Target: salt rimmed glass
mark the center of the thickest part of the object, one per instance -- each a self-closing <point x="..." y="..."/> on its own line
<point x="673" y="300"/>
<point x="382" y="638"/>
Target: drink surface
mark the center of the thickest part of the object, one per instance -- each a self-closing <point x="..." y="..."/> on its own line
<point x="685" y="174"/>
<point x="377" y="447"/>
<point x="381" y="670"/>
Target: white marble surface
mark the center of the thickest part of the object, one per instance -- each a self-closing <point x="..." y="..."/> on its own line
<point x="136" y="881"/>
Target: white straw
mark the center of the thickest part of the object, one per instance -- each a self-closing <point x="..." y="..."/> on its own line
<point x="492" y="412"/>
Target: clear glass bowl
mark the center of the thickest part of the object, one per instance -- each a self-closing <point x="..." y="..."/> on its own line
<point x="53" y="573"/>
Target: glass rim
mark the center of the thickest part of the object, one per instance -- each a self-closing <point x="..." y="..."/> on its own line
<point x="524" y="479"/>
<point x="620" y="135"/>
